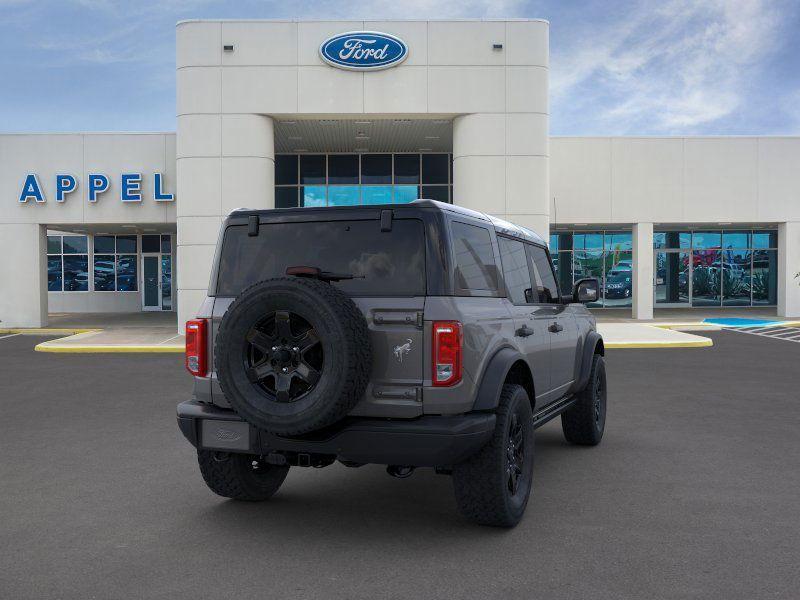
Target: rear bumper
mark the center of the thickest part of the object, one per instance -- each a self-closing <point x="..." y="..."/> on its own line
<point x="429" y="441"/>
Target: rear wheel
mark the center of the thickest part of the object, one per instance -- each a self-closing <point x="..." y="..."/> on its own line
<point x="240" y="476"/>
<point x="492" y="487"/>
<point x="584" y="422"/>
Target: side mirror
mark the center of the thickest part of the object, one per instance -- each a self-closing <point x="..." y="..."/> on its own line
<point x="586" y="290"/>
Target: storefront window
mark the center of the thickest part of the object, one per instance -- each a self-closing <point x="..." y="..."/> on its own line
<point x="765" y="277"/>
<point x="718" y="268"/>
<point x="116" y="271"/>
<point x="343" y="169"/>
<point x="312" y="168"/>
<point x="343" y="195"/>
<point x="406" y="168"/>
<point x="314" y="195"/>
<point x="67" y="263"/>
<point x="376" y="168"/>
<point x="126" y="274"/>
<point x="361" y="179"/>
<point x="672" y="239"/>
<point x="405" y="193"/>
<point x="606" y="255"/>
<point x="376" y="194"/>
<point x="706" y="239"/>
<point x="55" y="278"/>
<point x="672" y="278"/>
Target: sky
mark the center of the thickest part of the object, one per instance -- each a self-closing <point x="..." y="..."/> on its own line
<point x="668" y="67"/>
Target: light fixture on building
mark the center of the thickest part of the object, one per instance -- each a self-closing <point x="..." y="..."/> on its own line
<point x="497" y="46"/>
<point x="363" y="122"/>
<point x="228" y="47"/>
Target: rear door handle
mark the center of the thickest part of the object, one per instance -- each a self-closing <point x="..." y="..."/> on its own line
<point x="523" y="331"/>
<point x="555" y="327"/>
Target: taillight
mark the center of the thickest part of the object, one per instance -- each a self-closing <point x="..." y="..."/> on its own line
<point x="446" y="353"/>
<point x="196" y="362"/>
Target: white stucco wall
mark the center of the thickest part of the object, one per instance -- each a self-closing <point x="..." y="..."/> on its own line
<point x="675" y="180"/>
<point x="226" y="102"/>
<point x="23" y="298"/>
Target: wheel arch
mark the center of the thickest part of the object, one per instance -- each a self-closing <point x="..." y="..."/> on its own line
<point x="506" y="366"/>
<point x="591" y="346"/>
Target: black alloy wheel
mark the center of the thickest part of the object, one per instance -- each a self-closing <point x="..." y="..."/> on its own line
<point x="283" y="356"/>
<point x="515" y="454"/>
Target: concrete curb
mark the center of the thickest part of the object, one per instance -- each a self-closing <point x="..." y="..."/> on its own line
<point x="99" y="349"/>
<point x="55" y="347"/>
<point x="45" y="331"/>
<point x="704" y="343"/>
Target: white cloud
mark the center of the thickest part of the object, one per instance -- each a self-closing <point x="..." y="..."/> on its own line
<point x="670" y="68"/>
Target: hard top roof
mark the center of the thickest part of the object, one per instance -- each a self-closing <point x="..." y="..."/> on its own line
<point x="500" y="225"/>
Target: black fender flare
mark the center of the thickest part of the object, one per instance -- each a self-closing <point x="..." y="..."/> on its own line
<point x="494" y="375"/>
<point x="591" y="346"/>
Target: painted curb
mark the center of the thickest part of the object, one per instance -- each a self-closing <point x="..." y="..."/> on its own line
<point x="44" y="347"/>
<point x="704" y="343"/>
<point x="45" y="331"/>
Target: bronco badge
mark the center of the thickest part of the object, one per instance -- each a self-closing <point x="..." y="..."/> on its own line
<point x="401" y="350"/>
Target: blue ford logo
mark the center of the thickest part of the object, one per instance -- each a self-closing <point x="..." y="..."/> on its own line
<point x="363" y="50"/>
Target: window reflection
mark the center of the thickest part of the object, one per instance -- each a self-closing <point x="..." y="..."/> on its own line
<point x="672" y="278"/>
<point x="738" y="274"/>
<point x="376" y="194"/>
<point x="589" y="264"/>
<point x="706" y="277"/>
<point x="618" y="286"/>
<point x="54" y="278"/>
<point x="343" y="195"/>
<point x="76" y="273"/>
<point x="765" y="277"/>
<point x="314" y="195"/>
<point x="361" y="179"/>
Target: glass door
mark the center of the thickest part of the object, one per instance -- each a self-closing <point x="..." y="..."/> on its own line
<point x="672" y="271"/>
<point x="151" y="282"/>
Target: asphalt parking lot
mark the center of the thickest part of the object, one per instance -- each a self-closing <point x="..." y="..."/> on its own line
<point x="694" y="493"/>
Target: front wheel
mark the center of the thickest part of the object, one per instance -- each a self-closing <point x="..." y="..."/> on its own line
<point x="492" y="487"/>
<point x="240" y="476"/>
<point x="584" y="422"/>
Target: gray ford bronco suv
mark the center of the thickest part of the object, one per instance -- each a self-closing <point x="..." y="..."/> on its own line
<point x="410" y="335"/>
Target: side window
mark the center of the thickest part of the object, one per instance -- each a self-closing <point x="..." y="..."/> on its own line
<point x="515" y="271"/>
<point x="475" y="266"/>
<point x="543" y="273"/>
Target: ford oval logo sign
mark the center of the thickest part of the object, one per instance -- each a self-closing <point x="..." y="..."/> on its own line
<point x="363" y="50"/>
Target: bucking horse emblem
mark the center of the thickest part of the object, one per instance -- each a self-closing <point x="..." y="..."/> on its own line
<point x="401" y="350"/>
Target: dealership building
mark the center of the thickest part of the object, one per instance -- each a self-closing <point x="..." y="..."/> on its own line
<point x="332" y="113"/>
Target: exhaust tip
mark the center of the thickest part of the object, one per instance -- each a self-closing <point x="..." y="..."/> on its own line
<point x="400" y="471"/>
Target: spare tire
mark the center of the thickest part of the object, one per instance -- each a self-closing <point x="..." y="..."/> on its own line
<point x="293" y="355"/>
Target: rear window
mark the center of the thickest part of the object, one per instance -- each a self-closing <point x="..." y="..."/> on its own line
<point x="390" y="263"/>
<point x="475" y="268"/>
